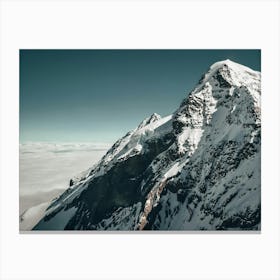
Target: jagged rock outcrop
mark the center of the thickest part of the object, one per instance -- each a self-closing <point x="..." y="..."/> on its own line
<point x="197" y="169"/>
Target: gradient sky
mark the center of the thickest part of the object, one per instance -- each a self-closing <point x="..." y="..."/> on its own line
<point x="99" y="95"/>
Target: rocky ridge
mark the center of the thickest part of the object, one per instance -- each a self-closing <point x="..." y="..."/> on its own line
<point x="197" y="169"/>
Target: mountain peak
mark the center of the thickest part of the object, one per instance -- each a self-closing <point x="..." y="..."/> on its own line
<point x="153" y="118"/>
<point x="227" y="73"/>
<point x="226" y="62"/>
<point x="197" y="169"/>
<point x="231" y="65"/>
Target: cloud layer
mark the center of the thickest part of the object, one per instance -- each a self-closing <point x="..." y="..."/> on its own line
<point x="45" y="170"/>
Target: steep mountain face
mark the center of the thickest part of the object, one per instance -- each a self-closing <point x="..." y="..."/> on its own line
<point x="197" y="169"/>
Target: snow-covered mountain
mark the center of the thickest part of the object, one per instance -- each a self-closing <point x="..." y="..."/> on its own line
<point x="197" y="169"/>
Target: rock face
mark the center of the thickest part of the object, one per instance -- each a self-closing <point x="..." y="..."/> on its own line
<point x="197" y="169"/>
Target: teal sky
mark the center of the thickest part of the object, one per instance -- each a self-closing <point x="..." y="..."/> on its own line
<point x="99" y="95"/>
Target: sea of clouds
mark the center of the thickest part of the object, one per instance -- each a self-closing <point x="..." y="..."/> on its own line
<point x="45" y="170"/>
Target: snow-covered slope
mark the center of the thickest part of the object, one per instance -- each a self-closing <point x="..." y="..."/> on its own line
<point x="197" y="169"/>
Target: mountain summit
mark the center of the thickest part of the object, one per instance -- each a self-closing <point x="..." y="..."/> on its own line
<point x="197" y="169"/>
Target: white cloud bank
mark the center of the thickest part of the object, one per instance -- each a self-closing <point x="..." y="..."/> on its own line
<point x="45" y="170"/>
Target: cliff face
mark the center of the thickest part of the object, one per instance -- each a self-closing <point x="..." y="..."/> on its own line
<point x="197" y="169"/>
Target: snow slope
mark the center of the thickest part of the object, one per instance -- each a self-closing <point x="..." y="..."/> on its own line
<point x="197" y="169"/>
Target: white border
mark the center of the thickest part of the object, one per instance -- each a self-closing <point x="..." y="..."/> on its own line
<point x="153" y="24"/>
